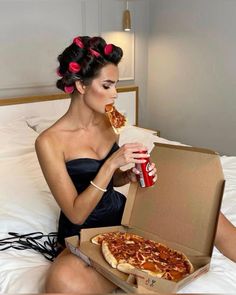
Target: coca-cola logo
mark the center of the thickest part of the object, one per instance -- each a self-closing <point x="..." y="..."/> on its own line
<point x="148" y="166"/>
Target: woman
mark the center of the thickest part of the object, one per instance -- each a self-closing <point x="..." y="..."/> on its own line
<point x="80" y="158"/>
<point x="81" y="161"/>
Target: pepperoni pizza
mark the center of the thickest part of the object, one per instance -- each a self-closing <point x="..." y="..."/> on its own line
<point x="117" y="120"/>
<point x="126" y="251"/>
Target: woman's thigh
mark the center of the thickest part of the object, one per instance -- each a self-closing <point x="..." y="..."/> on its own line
<point x="69" y="273"/>
<point x="225" y="239"/>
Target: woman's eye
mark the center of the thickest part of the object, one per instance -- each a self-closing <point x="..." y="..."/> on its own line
<point x="106" y="87"/>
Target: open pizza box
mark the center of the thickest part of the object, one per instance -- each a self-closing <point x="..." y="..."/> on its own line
<point x="181" y="210"/>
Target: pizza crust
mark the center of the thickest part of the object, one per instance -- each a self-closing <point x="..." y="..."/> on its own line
<point x="116" y="130"/>
<point x="108" y="255"/>
<point x="95" y="240"/>
<point x="126" y="268"/>
<point x="153" y="274"/>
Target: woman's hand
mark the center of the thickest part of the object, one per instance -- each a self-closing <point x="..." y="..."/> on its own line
<point x="129" y="154"/>
<point x="126" y="154"/>
<point x="132" y="174"/>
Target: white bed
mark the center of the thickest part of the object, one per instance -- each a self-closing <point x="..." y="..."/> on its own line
<point x="26" y="204"/>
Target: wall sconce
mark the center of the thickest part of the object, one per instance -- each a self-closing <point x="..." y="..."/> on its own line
<point x="126" y="19"/>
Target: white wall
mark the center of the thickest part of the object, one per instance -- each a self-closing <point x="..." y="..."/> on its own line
<point x="187" y="85"/>
<point x="192" y="70"/>
<point x="33" y="33"/>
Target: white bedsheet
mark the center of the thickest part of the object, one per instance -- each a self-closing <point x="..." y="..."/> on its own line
<point x="26" y="205"/>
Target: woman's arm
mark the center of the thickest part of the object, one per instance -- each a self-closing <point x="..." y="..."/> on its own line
<point x="78" y="207"/>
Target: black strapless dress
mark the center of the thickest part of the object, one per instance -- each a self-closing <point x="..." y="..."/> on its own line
<point x="108" y="211"/>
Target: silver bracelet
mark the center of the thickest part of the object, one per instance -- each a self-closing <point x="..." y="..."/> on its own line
<point x="98" y="187"/>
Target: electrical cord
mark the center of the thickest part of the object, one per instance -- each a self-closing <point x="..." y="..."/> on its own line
<point x="45" y="244"/>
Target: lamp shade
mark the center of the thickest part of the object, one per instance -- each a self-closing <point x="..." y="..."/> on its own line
<point x="126" y="20"/>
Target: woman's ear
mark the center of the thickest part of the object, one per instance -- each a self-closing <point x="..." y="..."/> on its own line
<point x="80" y="87"/>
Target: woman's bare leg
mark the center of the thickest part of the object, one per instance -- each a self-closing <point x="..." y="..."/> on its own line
<point x="69" y="274"/>
<point x="226" y="237"/>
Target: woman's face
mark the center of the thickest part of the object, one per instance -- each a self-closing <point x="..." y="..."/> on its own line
<point x="102" y="90"/>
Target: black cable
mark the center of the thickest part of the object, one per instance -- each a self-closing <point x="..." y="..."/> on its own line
<point x="45" y="244"/>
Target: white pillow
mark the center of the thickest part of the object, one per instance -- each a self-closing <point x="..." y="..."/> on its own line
<point x="26" y="203"/>
<point x="39" y="123"/>
<point x="16" y="138"/>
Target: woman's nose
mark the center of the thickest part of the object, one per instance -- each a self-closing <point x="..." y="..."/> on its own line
<point x="115" y="94"/>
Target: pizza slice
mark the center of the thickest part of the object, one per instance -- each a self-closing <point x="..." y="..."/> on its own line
<point x="98" y="239"/>
<point x="116" y="119"/>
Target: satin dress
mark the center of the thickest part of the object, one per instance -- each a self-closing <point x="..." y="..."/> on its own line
<point x="108" y="211"/>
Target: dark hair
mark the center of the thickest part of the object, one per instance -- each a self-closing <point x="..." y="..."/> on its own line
<point x="83" y="60"/>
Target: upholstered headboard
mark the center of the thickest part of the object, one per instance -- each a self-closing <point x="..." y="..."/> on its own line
<point x="56" y="104"/>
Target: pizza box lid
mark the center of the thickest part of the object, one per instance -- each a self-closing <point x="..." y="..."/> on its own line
<point x="183" y="206"/>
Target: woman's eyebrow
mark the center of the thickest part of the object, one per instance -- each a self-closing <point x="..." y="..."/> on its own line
<point x="110" y="81"/>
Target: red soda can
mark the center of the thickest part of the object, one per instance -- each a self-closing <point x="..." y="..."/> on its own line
<point x="145" y="180"/>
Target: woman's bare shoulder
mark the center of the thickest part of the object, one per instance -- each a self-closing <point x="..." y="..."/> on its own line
<point x="47" y="136"/>
<point x="49" y="140"/>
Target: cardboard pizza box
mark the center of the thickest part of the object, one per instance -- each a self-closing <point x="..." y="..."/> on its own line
<point x="181" y="210"/>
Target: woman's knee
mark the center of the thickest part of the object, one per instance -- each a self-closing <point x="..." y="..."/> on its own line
<point x="66" y="275"/>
